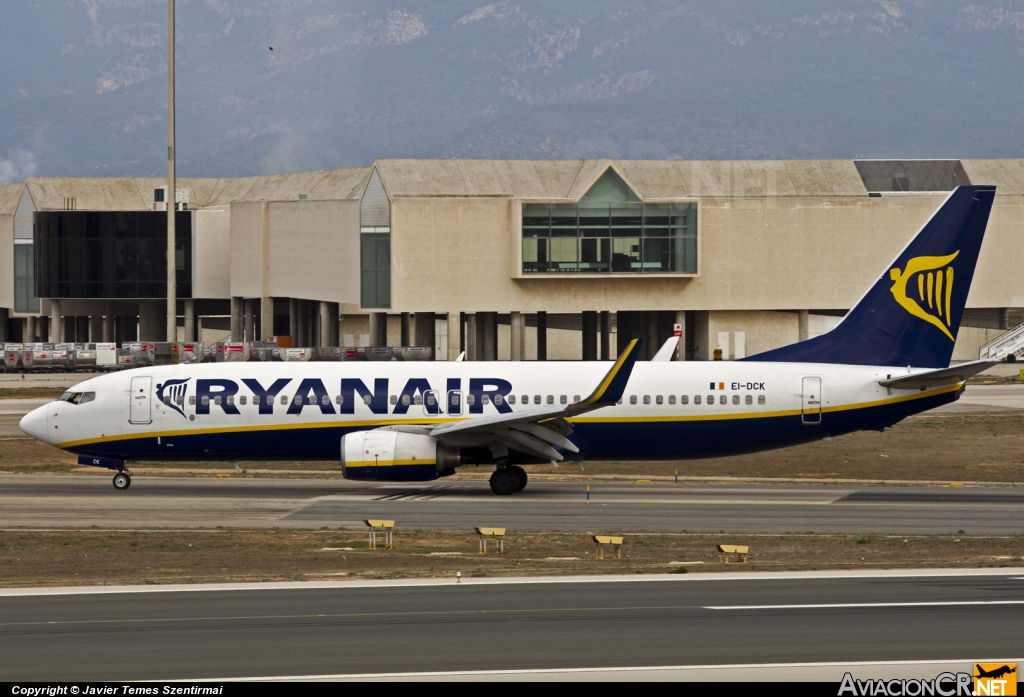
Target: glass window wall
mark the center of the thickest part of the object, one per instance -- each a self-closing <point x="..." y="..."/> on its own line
<point x="610" y="238"/>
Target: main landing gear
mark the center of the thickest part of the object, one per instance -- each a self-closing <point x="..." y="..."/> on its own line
<point x="508" y="480"/>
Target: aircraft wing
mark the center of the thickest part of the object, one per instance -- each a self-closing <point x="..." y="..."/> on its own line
<point x="535" y="431"/>
<point x="937" y="378"/>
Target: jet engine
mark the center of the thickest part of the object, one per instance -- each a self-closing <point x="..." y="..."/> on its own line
<point x="396" y="456"/>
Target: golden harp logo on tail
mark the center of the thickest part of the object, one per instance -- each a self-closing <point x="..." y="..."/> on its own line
<point x="934" y="289"/>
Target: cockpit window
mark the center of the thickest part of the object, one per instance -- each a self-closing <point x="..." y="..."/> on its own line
<point x="77" y="397"/>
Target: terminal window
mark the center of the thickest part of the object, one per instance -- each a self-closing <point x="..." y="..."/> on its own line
<point x="610" y="231"/>
<point x="375" y="267"/>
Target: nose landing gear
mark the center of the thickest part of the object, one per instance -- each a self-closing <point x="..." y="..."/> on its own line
<point x="508" y="480"/>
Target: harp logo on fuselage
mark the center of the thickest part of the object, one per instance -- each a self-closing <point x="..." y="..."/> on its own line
<point x="934" y="280"/>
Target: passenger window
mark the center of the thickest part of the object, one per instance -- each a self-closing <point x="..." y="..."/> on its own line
<point x="242" y="400"/>
<point x="418" y="399"/>
<point x="325" y="400"/>
<point x="575" y="399"/>
<point x="671" y="399"/>
<point x="563" y="399"/>
<point x="551" y="399"/>
<point x="511" y="399"/>
<point x="723" y="399"/>
<point x="405" y="400"/>
<point x="217" y="400"/>
<point x="181" y="400"/>
<point x="632" y="399"/>
<point x="205" y="400"/>
<point x="471" y="399"/>
<point x="499" y="400"/>
<point x="394" y="399"/>
<point x="339" y="399"/>
<point x="367" y="399"/>
<point x="735" y="399"/>
<point x="749" y="399"/>
<point x="711" y="399"/>
<point x="430" y="399"/>
<point x="231" y="400"/>
<point x="297" y="399"/>
<point x="696" y="399"/>
<point x="284" y="400"/>
<point x="760" y="399"/>
<point x="192" y="399"/>
<point x="485" y="399"/>
<point x="536" y="399"/>
<point x="647" y="399"/>
<point x="659" y="400"/>
<point x="87" y="397"/>
<point x="270" y="399"/>
<point x="685" y="399"/>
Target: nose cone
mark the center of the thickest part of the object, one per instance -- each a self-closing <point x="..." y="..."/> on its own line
<point x="34" y="424"/>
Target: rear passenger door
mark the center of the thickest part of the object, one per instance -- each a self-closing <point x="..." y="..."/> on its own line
<point x="811" y="401"/>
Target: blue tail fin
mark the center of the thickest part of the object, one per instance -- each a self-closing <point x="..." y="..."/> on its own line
<point x="912" y="314"/>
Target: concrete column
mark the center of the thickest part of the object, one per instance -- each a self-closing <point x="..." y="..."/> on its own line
<point x="93" y="329"/>
<point x="681" y="347"/>
<point x="804" y="325"/>
<point x="426" y="331"/>
<point x="190" y="320"/>
<point x="589" y="335"/>
<point x="378" y="329"/>
<point x="325" y="324"/>
<point x="237" y="322"/>
<point x="487" y="325"/>
<point x="1004" y="318"/>
<point x="302" y="324"/>
<point x="265" y="327"/>
<point x="404" y="339"/>
<point x="517" y="330"/>
<point x="542" y="336"/>
<point x="651" y="337"/>
<point x="108" y="322"/>
<point x="293" y="320"/>
<point x="333" y="329"/>
<point x="29" y="336"/>
<point x="247" y="320"/>
<point x="4" y="323"/>
<point x="55" y="323"/>
<point x="454" y="335"/>
<point x="471" y="337"/>
<point x="604" y="326"/>
<point x="199" y="328"/>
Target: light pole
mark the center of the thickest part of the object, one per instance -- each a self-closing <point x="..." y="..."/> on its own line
<point x="172" y="291"/>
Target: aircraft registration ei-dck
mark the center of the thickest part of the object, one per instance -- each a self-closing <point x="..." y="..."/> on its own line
<point x="887" y="359"/>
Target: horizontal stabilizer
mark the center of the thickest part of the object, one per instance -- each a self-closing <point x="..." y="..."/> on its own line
<point x="936" y="378"/>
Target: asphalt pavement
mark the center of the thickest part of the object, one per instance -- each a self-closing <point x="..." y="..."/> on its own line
<point x="175" y="502"/>
<point x="585" y="626"/>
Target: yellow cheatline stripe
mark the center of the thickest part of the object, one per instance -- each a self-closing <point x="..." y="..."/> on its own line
<point x="250" y="428"/>
<point x="389" y="463"/>
<point x="603" y="387"/>
<point x="575" y="419"/>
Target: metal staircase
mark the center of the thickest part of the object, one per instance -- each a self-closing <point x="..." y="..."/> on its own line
<point x="1012" y="342"/>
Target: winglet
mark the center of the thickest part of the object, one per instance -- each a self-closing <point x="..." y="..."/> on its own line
<point x="610" y="389"/>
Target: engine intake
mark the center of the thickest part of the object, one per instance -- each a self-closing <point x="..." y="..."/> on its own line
<point x="395" y="456"/>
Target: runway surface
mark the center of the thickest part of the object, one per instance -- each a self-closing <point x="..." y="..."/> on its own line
<point x="152" y="502"/>
<point x="599" y="624"/>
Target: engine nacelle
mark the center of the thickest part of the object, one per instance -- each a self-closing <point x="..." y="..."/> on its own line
<point x="395" y="456"/>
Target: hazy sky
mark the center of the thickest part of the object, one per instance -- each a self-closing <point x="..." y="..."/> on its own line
<point x="83" y="89"/>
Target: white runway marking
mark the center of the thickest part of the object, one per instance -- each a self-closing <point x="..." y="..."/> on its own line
<point x="828" y="606"/>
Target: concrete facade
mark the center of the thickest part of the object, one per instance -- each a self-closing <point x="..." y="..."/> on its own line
<point x="784" y="247"/>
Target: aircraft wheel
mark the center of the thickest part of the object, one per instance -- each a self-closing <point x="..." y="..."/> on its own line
<point x="122" y="481"/>
<point x="505" y="481"/>
<point x="522" y="476"/>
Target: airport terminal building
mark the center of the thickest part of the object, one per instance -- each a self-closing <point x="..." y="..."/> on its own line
<point x="502" y="259"/>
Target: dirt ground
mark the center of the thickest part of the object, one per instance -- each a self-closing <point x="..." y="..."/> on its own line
<point x="88" y="557"/>
<point x="972" y="447"/>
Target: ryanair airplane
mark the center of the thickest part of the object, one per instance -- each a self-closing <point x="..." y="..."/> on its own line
<point x="887" y="359"/>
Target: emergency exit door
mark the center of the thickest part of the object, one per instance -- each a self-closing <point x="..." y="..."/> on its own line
<point x="811" y="397"/>
<point x="140" y="401"/>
